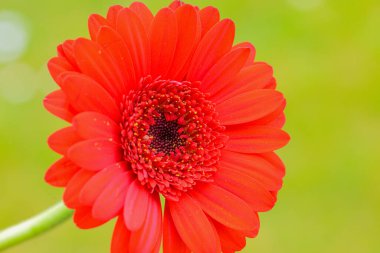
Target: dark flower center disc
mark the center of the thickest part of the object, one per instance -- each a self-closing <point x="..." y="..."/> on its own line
<point x="165" y="135"/>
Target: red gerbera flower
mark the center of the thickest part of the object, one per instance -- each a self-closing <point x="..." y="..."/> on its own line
<point x="165" y="105"/>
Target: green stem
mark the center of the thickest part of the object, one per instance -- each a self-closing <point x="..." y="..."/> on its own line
<point x="34" y="226"/>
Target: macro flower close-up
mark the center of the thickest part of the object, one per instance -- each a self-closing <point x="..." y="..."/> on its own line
<point x="172" y="130"/>
<point x="189" y="126"/>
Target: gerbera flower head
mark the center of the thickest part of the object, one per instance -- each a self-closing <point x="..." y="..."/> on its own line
<point x="166" y="105"/>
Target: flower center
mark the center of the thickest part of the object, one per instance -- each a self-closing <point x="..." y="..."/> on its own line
<point x="171" y="136"/>
<point x="165" y="135"/>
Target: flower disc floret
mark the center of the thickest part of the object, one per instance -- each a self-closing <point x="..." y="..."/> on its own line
<point x="171" y="136"/>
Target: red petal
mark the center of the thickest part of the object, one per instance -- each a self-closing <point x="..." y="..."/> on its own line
<point x="113" y="44"/>
<point x="143" y="12"/>
<point x="255" y="139"/>
<point x="230" y="239"/>
<point x="278" y="122"/>
<point x="91" y="125"/>
<point x="274" y="160"/>
<point x="95" y="154"/>
<point x="224" y="206"/>
<point x="65" y="50"/>
<point x="112" y="14"/>
<point x="84" y="220"/>
<point x="253" y="77"/>
<point x="272" y="84"/>
<point x="255" y="166"/>
<point x="68" y="50"/>
<point x="158" y="246"/>
<point x="58" y="65"/>
<point x="252" y="52"/>
<point x="136" y="39"/>
<point x="85" y="94"/>
<point x="95" y="62"/>
<point x="193" y="225"/>
<point x="121" y="237"/>
<point x="96" y="185"/>
<point x="95" y="22"/>
<point x="58" y="104"/>
<point x="224" y="70"/>
<point x="172" y="241"/>
<point x="274" y="119"/>
<point x="63" y="139"/>
<point x="245" y="187"/>
<point x="60" y="51"/>
<point x="189" y="32"/>
<point x="217" y="42"/>
<point x="163" y="40"/>
<point x="209" y="17"/>
<point x="60" y="173"/>
<point x="249" y="106"/>
<point x="176" y="4"/>
<point x="136" y="205"/>
<point x="73" y="188"/>
<point x="111" y="200"/>
<point x="150" y="234"/>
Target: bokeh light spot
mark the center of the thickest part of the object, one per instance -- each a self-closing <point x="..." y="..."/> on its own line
<point x="14" y="36"/>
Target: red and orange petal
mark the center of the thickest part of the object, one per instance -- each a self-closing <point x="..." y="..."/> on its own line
<point x="139" y="77"/>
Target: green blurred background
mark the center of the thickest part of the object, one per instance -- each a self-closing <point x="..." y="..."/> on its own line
<point x="326" y="55"/>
